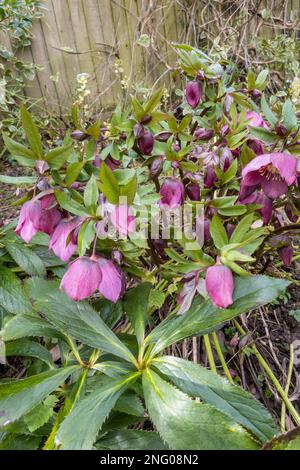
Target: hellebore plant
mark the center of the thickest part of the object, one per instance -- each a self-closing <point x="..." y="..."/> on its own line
<point x="171" y="211"/>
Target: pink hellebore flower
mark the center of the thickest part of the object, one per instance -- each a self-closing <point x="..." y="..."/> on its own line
<point x="274" y="172"/>
<point x="112" y="285"/>
<point x="172" y="193"/>
<point x="35" y="216"/>
<point x="28" y="219"/>
<point x="123" y="219"/>
<point x="193" y="92"/>
<point x="82" y="278"/>
<point x="63" y="241"/>
<point x="219" y="285"/>
<point x="255" y="120"/>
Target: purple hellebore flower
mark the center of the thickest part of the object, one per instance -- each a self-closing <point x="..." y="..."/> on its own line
<point x="193" y="191"/>
<point x="274" y="172"/>
<point x="82" y="278"/>
<point x="146" y="143"/>
<point x="286" y="254"/>
<point x="113" y="282"/>
<point x="41" y="166"/>
<point x="123" y="219"/>
<point x="203" y="134"/>
<point x="256" y="146"/>
<point x="63" y="241"/>
<point x="35" y="216"/>
<point x="172" y="193"/>
<point x="193" y="93"/>
<point x="28" y="219"/>
<point x="290" y="214"/>
<point x="210" y="177"/>
<point x="219" y="285"/>
<point x="255" y="197"/>
<point x="157" y="166"/>
<point x="226" y="159"/>
<point x="255" y="120"/>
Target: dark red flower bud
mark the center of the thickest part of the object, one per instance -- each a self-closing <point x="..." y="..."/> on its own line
<point x="256" y="93"/>
<point x="210" y="178"/>
<point x="203" y="134"/>
<point x="281" y="130"/>
<point x="193" y="191"/>
<point x="146" y="143"/>
<point x="193" y="93"/>
<point x="226" y="159"/>
<point x="163" y="136"/>
<point x="146" y="119"/>
<point x="138" y="130"/>
<point x="79" y="135"/>
<point x="286" y="254"/>
<point x="289" y="212"/>
<point x="157" y="166"/>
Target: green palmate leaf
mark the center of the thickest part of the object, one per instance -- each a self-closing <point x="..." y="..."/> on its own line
<point x="287" y="441"/>
<point x="264" y="135"/>
<point x="57" y="157"/>
<point x="202" y="317"/>
<point x="73" y="172"/>
<point x="21" y="326"/>
<point x="91" y="193"/>
<point x="40" y="414"/>
<point x="18" y="150"/>
<point x="66" y="202"/>
<point x="17" y="180"/>
<point x="268" y="112"/>
<point x="289" y="118"/>
<point x="109" y="185"/>
<point x="81" y="321"/>
<point x="12" y="295"/>
<point x="242" y="229"/>
<point x="19" y="397"/>
<point x="27" y="348"/>
<point x="218" y="232"/>
<point x="32" y="133"/>
<point x="185" y="424"/>
<point x="30" y="262"/>
<point x="94" y="130"/>
<point x="131" y="439"/>
<point x="233" y="211"/>
<point x="232" y="400"/>
<point x="135" y="305"/>
<point x="89" y="415"/>
<point x="154" y="101"/>
<point x="128" y="190"/>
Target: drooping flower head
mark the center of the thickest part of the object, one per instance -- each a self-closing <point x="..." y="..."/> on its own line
<point x="274" y="172"/>
<point x="171" y="193"/>
<point x="146" y="142"/>
<point x="63" y="241"/>
<point x="123" y="219"/>
<point x="219" y="285"/>
<point x="193" y="93"/>
<point x="37" y="215"/>
<point x="255" y="120"/>
<point x="82" y="278"/>
<point x="113" y="283"/>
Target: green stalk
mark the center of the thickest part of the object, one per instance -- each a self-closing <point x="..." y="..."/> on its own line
<point x="221" y="356"/>
<point x="273" y="379"/>
<point x="75" y="351"/>
<point x="287" y="386"/>
<point x="209" y="353"/>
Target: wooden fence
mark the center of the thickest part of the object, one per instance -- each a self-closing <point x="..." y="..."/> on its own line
<point x="89" y="36"/>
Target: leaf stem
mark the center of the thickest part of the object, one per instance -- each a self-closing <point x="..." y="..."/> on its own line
<point x="209" y="353"/>
<point x="287" y="386"/>
<point x="75" y="351"/>
<point x="272" y="377"/>
<point x="221" y="356"/>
